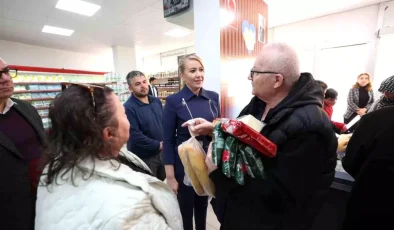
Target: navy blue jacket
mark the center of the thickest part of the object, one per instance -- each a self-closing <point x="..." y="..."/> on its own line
<point x="146" y="130"/>
<point x="205" y="105"/>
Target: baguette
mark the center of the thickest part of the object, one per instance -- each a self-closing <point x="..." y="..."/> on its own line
<point x="197" y="161"/>
<point x="343" y="141"/>
<point x="183" y="151"/>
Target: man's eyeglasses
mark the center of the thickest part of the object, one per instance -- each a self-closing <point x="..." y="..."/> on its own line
<point x="87" y="86"/>
<point x="10" y="72"/>
<point x="252" y="72"/>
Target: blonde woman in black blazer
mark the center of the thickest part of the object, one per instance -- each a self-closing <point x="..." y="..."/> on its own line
<point x="360" y="98"/>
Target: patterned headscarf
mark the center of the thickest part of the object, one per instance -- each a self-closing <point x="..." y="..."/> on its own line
<point x="387" y="86"/>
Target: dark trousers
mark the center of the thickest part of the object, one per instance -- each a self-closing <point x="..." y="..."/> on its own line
<point x="190" y="202"/>
<point x="155" y="164"/>
<point x="348" y="120"/>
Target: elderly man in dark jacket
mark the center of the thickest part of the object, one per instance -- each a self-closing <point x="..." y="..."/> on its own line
<point x="21" y="146"/>
<point x="299" y="177"/>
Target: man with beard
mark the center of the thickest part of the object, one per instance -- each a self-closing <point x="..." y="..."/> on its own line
<point x="21" y="148"/>
<point x="145" y="114"/>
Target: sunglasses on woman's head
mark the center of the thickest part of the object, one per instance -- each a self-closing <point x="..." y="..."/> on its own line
<point x="86" y="86"/>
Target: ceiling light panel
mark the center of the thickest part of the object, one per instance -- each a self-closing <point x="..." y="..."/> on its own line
<point x="57" y="30"/>
<point x="78" y="6"/>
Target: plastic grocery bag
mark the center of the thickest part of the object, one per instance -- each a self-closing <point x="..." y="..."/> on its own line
<point x="193" y="156"/>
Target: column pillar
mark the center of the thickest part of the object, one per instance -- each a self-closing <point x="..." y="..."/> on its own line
<point x="124" y="60"/>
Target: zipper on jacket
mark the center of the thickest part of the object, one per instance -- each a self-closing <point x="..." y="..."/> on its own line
<point x="187" y="107"/>
<point x="210" y="108"/>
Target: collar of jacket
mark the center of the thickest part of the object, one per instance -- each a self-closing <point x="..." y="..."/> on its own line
<point x="140" y="103"/>
<point x="112" y="170"/>
<point x="187" y="94"/>
<point x="306" y="91"/>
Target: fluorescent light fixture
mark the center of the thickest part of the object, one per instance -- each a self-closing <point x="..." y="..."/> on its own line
<point x="177" y="33"/>
<point x="78" y="6"/>
<point x="57" y="30"/>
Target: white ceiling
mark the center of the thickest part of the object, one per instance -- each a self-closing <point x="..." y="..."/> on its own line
<point x="282" y="12"/>
<point x="132" y="23"/>
<point x="118" y="22"/>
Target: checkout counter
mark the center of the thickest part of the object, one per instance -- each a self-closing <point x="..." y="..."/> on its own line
<point x="333" y="211"/>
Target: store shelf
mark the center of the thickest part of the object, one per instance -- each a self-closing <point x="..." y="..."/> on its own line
<point x="54" y="70"/>
<point x="44" y="116"/>
<point x="168" y="78"/>
<point x="163" y="98"/>
<point x="38" y="91"/>
<point x="42" y="107"/>
<point x="168" y="87"/>
<point x="36" y="83"/>
<point x="39" y="99"/>
<point x="59" y="83"/>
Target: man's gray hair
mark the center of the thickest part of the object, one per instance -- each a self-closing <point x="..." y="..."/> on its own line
<point x="133" y="74"/>
<point x="282" y="58"/>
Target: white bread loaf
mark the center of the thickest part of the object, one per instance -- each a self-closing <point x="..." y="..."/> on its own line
<point x="343" y="141"/>
<point x="183" y="151"/>
<point x="252" y="122"/>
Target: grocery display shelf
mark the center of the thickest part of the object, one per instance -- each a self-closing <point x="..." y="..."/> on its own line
<point x="36" y="83"/>
<point x="42" y="108"/>
<point x="38" y="99"/>
<point x="38" y="91"/>
<point x="167" y="78"/>
<point x="59" y="83"/>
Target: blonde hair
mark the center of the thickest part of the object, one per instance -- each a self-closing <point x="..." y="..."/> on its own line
<point x="368" y="87"/>
<point x="181" y="66"/>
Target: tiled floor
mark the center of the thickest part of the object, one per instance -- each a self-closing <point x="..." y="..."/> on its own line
<point x="212" y="221"/>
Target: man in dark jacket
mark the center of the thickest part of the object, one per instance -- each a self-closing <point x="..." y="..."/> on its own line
<point x="369" y="160"/>
<point x="299" y="177"/>
<point x="145" y="114"/>
<point x="21" y="147"/>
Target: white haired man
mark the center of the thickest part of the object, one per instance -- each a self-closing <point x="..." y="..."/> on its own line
<point x="299" y="177"/>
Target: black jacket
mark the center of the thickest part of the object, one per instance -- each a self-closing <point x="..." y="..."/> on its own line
<point x="370" y="160"/>
<point x="299" y="176"/>
<point x="16" y="199"/>
<point x="150" y="92"/>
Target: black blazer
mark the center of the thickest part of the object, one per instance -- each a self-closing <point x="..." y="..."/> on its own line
<point x="17" y="203"/>
<point x="370" y="160"/>
<point x="150" y="90"/>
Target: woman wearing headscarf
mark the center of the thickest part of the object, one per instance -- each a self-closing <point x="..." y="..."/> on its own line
<point x="387" y="99"/>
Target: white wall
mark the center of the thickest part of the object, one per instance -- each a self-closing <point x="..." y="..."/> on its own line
<point x="157" y="63"/>
<point x="343" y="29"/>
<point x="28" y="55"/>
<point x="335" y="48"/>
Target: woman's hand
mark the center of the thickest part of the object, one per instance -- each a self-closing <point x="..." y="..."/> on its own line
<point x="362" y="111"/>
<point x="171" y="181"/>
<point x="208" y="160"/>
<point x="201" y="127"/>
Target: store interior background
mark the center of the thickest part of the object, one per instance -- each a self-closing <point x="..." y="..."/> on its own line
<point x="336" y="40"/>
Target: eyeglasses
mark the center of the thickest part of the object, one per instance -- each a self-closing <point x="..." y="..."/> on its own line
<point x="87" y="86"/>
<point x="10" y="72"/>
<point x="252" y="72"/>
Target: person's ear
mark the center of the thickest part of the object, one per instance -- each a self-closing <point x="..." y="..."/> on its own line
<point x="108" y="134"/>
<point x="278" y="81"/>
<point x="130" y="88"/>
